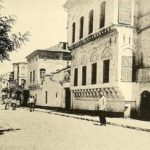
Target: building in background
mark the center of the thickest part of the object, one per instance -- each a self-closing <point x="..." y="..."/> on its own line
<point x="102" y="36"/>
<point x="19" y="84"/>
<point x="43" y="62"/>
<point x="20" y="73"/>
<point x="56" y="90"/>
<point x="5" y="84"/>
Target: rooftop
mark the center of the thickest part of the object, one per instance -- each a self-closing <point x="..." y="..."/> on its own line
<point x="61" y="47"/>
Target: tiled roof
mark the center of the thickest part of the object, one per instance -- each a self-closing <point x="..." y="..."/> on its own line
<point x="57" y="48"/>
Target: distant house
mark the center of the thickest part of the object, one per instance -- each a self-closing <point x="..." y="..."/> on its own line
<point x="42" y="62"/>
<point x="56" y="90"/>
<point x="20" y="73"/>
<point x="19" y="84"/>
<point x="5" y="83"/>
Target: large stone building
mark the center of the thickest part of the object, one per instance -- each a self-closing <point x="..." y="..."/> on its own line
<point x="144" y="59"/>
<point x="42" y="62"/>
<point x="102" y="37"/>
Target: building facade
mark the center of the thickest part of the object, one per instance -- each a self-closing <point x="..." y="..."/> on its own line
<point x="144" y="59"/>
<point x="5" y="84"/>
<point x="20" y="74"/>
<point x="56" y="90"/>
<point x="44" y="62"/>
<point x="101" y="37"/>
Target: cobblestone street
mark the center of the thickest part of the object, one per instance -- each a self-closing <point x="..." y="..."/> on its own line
<point x="42" y="131"/>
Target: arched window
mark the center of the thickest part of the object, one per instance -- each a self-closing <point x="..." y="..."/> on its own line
<point x="81" y="27"/>
<point x="42" y="72"/>
<point x="73" y="32"/>
<point x="102" y="15"/>
<point x="91" y="19"/>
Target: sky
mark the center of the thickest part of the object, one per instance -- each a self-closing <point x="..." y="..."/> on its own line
<point x="46" y="20"/>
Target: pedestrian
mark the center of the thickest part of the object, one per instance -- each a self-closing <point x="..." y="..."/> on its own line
<point x="14" y="102"/>
<point x="6" y="100"/>
<point x="102" y="108"/>
<point x="31" y="103"/>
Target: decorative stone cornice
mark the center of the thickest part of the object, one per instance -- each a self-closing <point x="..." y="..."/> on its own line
<point x="93" y="37"/>
<point x="109" y="92"/>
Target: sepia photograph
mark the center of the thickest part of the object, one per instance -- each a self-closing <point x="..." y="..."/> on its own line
<point x="74" y="74"/>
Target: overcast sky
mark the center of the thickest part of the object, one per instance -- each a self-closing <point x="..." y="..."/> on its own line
<point x="46" y="20"/>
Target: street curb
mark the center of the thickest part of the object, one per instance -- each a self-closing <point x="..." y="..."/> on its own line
<point x="92" y="120"/>
<point x="110" y="123"/>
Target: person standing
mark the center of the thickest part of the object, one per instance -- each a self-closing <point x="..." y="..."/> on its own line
<point x="14" y="102"/>
<point x="31" y="103"/>
<point x="102" y="108"/>
<point x="6" y="102"/>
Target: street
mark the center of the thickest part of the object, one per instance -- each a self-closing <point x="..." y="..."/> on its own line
<point x="45" y="131"/>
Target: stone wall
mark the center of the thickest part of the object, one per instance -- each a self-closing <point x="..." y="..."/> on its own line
<point x="95" y="52"/>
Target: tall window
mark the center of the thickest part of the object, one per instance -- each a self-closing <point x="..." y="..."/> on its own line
<point x="102" y="15"/>
<point x="84" y="75"/>
<point x="42" y="72"/>
<point x="33" y="75"/>
<point x="76" y="77"/>
<point x="106" y="65"/>
<point x="91" y="19"/>
<point x="46" y="97"/>
<point x="30" y="76"/>
<point x="94" y="73"/>
<point x="73" y="32"/>
<point x="81" y="27"/>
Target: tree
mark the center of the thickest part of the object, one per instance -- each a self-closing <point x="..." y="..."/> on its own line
<point x="9" y="41"/>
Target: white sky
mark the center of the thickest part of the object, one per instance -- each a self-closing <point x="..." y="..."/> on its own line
<point x="46" y="20"/>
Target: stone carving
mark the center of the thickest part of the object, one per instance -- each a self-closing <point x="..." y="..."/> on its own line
<point x="107" y="53"/>
<point x="84" y="60"/>
<point x="94" y="56"/>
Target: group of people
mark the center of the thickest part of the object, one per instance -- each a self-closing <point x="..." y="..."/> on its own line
<point x="13" y="102"/>
<point x="101" y="107"/>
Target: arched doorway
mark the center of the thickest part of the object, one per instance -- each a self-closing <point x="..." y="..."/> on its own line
<point x="145" y="105"/>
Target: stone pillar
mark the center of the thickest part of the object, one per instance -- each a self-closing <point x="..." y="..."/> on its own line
<point x="89" y="74"/>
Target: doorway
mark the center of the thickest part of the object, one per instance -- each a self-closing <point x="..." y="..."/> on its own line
<point x="67" y="98"/>
<point x="26" y="95"/>
<point x="145" y="106"/>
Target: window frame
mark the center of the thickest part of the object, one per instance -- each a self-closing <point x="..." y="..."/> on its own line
<point x="94" y="74"/>
<point x="102" y="14"/>
<point x="91" y="21"/>
<point x="81" y="27"/>
<point x="84" y="75"/>
<point x="76" y="77"/>
<point x="73" y="32"/>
